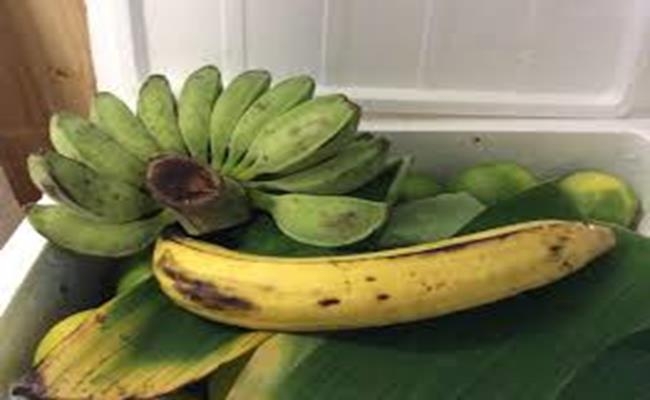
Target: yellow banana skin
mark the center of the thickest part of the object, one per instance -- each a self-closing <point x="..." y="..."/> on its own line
<point x="373" y="289"/>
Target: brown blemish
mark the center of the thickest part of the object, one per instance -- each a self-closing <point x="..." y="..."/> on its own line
<point x="370" y="279"/>
<point x="342" y="221"/>
<point x="329" y="302"/>
<point x="383" y="297"/>
<point x="100" y="318"/>
<point x="179" y="180"/>
<point x="32" y="386"/>
<point x="429" y="288"/>
<point x="441" y="285"/>
<point x="566" y="265"/>
<point x="202" y="292"/>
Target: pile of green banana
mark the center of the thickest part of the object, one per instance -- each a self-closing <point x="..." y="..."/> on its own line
<point x="205" y="160"/>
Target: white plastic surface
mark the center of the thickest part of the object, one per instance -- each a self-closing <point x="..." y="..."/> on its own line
<point x="568" y="58"/>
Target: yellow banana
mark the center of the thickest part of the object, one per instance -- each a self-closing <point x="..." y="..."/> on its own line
<point x="373" y="289"/>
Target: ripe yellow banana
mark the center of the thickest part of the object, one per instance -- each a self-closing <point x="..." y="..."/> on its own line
<point x="373" y="289"/>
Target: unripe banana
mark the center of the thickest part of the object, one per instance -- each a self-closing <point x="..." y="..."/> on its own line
<point x="279" y="99"/>
<point x="157" y="110"/>
<point x="117" y="120"/>
<point x="228" y="110"/>
<point x="297" y="134"/>
<point x="351" y="168"/>
<point x="75" y="232"/>
<point x="373" y="289"/>
<point x="83" y="141"/>
<point x="200" y="91"/>
<point x="79" y="187"/>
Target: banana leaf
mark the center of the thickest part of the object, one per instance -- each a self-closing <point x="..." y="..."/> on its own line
<point x="138" y="345"/>
<point x="620" y="372"/>
<point x="528" y="347"/>
<point x="428" y="219"/>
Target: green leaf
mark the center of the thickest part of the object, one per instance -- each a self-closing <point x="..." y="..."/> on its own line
<point x="545" y="201"/>
<point x="139" y="345"/>
<point x="429" y="219"/>
<point x="271" y="363"/>
<point x="528" y="347"/>
<point x="620" y="372"/>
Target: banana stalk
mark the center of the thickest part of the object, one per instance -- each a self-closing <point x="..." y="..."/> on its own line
<point x="201" y="199"/>
<point x="373" y="289"/>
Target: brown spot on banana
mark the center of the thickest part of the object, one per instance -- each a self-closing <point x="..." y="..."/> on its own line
<point x="383" y="296"/>
<point x="30" y="387"/>
<point x="204" y="293"/>
<point x="329" y="302"/>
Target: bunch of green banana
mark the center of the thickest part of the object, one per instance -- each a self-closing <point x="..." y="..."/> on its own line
<point x="376" y="288"/>
<point x="204" y="160"/>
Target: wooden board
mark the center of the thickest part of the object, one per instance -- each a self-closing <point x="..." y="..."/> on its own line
<point x="45" y="66"/>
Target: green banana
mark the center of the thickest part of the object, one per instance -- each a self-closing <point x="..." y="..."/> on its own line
<point x="350" y="169"/>
<point x="297" y="134"/>
<point x="117" y="120"/>
<point x="200" y="91"/>
<point x="326" y="221"/>
<point x="81" y="188"/>
<point x="65" y="228"/>
<point x="83" y="141"/>
<point x="231" y="106"/>
<point x="157" y="109"/>
<point x="281" y="98"/>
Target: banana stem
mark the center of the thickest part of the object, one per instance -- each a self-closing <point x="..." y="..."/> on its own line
<point x="201" y="199"/>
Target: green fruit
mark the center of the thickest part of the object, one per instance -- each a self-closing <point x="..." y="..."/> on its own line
<point x="494" y="181"/>
<point x="83" y="141"/>
<point x="157" y="110"/>
<point x="353" y="167"/>
<point x="117" y="120"/>
<point x="65" y="228"/>
<point x="58" y="332"/>
<point x="200" y="91"/>
<point x="231" y="106"/>
<point x="326" y="221"/>
<point x="297" y="134"/>
<point x="601" y="196"/>
<point x="417" y="185"/>
<point x="279" y="99"/>
<point x="77" y="186"/>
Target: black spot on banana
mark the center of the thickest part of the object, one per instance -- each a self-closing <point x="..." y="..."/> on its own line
<point x="378" y="288"/>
